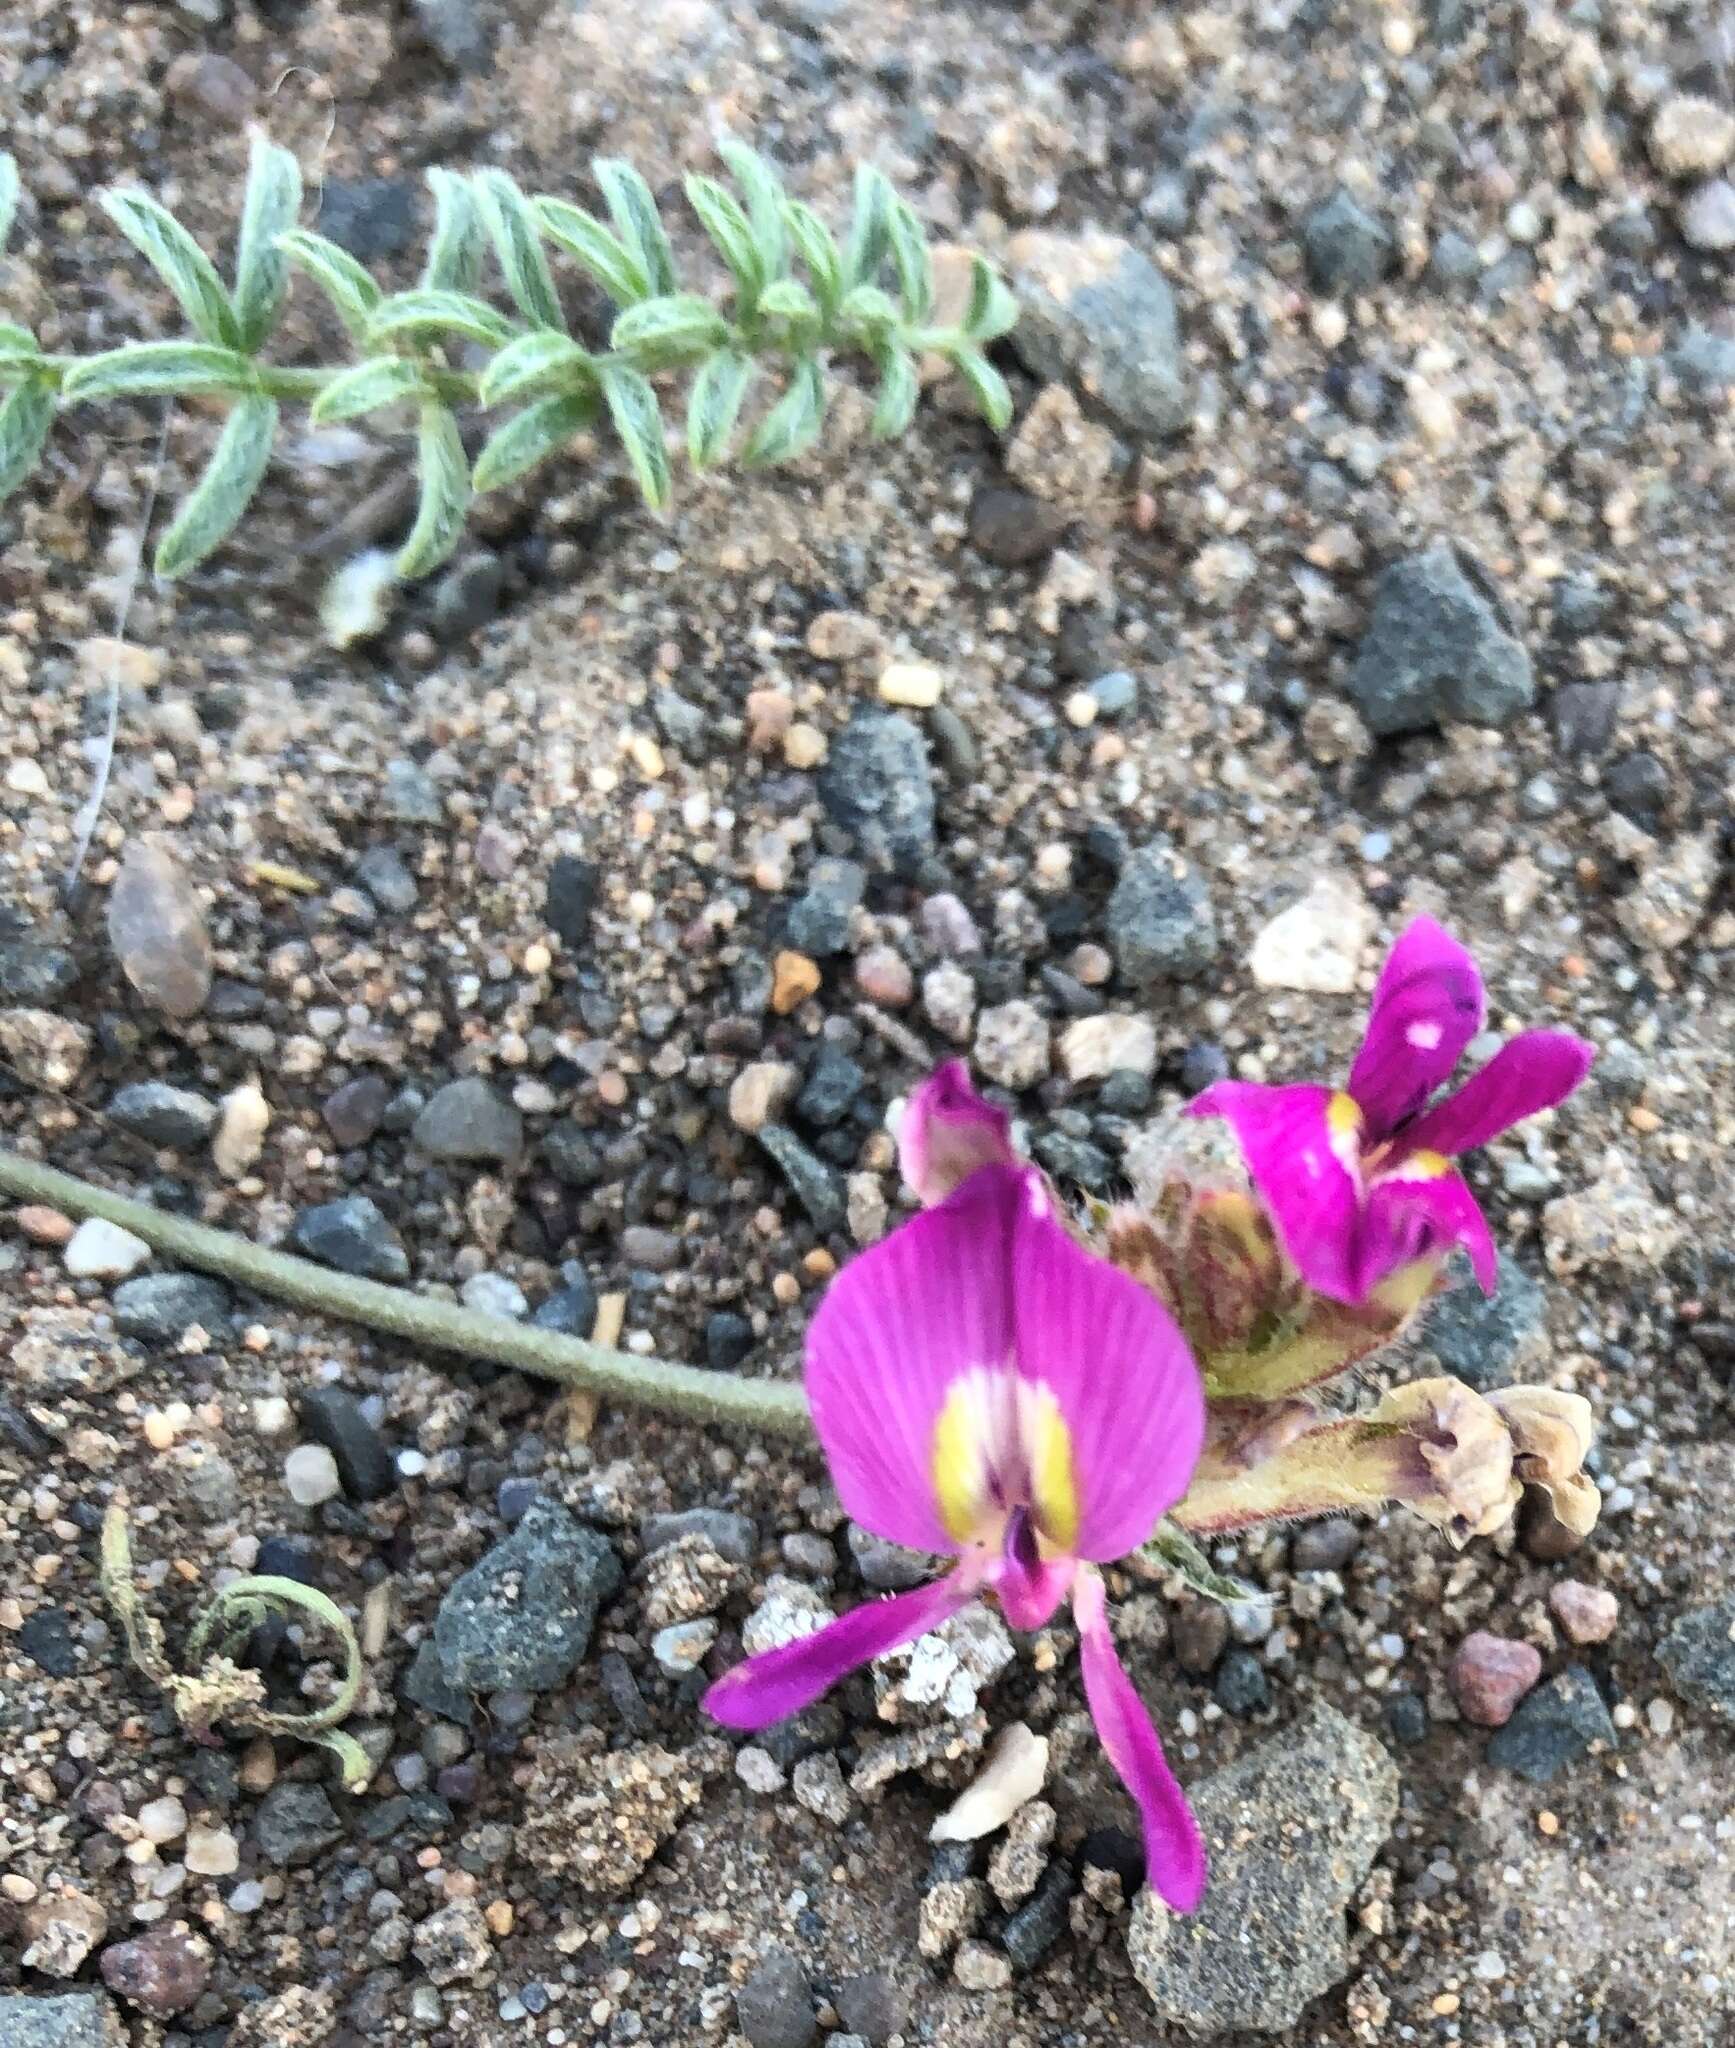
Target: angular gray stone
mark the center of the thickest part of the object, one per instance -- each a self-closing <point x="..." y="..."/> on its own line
<point x="812" y="1182"/>
<point x="295" y="1822"/>
<point x="878" y="786"/>
<point x="1698" y="1653"/>
<point x="469" y="1122"/>
<point x="1160" y="921"/>
<point x="1347" y="249"/>
<point x="1440" y="645"/>
<point x="157" y="1307"/>
<point x="1554" y="1726"/>
<point x="1482" y="1338"/>
<point x="162" y="1115"/>
<point x="1094" y="310"/>
<point x="80" y="2019"/>
<point x="1293" y="1829"/>
<point x="352" y="1236"/>
<point x="774" y="2008"/>
<point x="520" y="1620"/>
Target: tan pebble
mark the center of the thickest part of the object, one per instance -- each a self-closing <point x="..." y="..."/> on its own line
<point x="499" y="1916"/>
<point x="794" y="978"/>
<point x="611" y="1089"/>
<point x="819" y="1264"/>
<point x="916" y="685"/>
<point x="645" y="755"/>
<point x="759" y="1093"/>
<point x="212" y="1852"/>
<point x="804" y="746"/>
<point x="537" y="958"/>
<point x="769" y="716"/>
<point x="241" y="1128"/>
<point x="159" y="1430"/>
<point x="1447" y="2003"/>
<point x="17" y="1888"/>
<point x="1548" y="1822"/>
<point x="786" y="1289"/>
<point x="611" y="1314"/>
<point x="259" y="1766"/>
<point x="43" y="1225"/>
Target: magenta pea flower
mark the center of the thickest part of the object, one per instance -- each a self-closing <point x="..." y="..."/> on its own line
<point x="986" y="1388"/>
<point x="948" y="1132"/>
<point x="1360" y="1180"/>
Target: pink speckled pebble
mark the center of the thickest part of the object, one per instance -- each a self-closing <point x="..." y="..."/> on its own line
<point x="1587" y="1614"/>
<point x="883" y="976"/>
<point x="1490" y="1675"/>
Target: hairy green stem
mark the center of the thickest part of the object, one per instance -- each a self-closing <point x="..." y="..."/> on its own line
<point x="296" y="385"/>
<point x="776" y="1407"/>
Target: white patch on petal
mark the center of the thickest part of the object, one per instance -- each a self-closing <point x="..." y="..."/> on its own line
<point x="1425" y="1034"/>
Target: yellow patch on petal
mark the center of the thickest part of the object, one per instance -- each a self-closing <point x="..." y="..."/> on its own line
<point x="1423" y="1166"/>
<point x="1001" y="1441"/>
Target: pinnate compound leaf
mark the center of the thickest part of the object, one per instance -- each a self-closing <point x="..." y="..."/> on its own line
<point x="793" y="423"/>
<point x="633" y="209"/>
<point x="714" y="405"/>
<point x="632" y="405"/>
<point x="608" y="259"/>
<point x="26" y="414"/>
<point x="179" y="261"/>
<point x="268" y="210"/>
<point x="343" y="280"/>
<point x="368" y="387"/>
<point x="517" y="238"/>
<point x="536" y="363"/>
<point x="443" y="498"/>
<point x="454" y="262"/>
<point x="531" y="436"/>
<point x="663" y="333"/>
<point x="423" y="315"/>
<point x="217" y="501"/>
<point x="161" y="369"/>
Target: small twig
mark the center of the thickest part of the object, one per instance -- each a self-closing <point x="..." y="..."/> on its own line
<point x="777" y="1407"/>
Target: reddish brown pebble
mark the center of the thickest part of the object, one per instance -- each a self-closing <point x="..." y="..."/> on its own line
<point x="1587" y="1614"/>
<point x="884" y="977"/>
<point x="1490" y="1675"/>
<point x="161" y="1973"/>
<point x="44" y="1226"/>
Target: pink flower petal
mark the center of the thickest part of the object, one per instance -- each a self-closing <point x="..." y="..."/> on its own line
<point x="1128" y="1390"/>
<point x="900" y="1324"/>
<point x="1426" y="1009"/>
<point x="1412" y="1214"/>
<point x="1532" y="1072"/>
<point x="1305" y="1172"/>
<point x="948" y="1132"/>
<point x="1029" y="1586"/>
<point x="778" y="1683"/>
<point x="1174" y="1848"/>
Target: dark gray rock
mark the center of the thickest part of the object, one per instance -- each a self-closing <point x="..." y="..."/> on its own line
<point x="157" y="1308"/>
<point x="1554" y="1726"/>
<point x="1583" y="717"/>
<point x="1347" y="249"/>
<point x="1160" y="921"/>
<point x="1638" y="786"/>
<point x="33" y="975"/>
<point x="819" y="919"/>
<point x="1012" y="528"/>
<point x="353" y="1237"/>
<point x="1095" y="311"/>
<point x="570" y="1309"/>
<point x="1241" y="1687"/>
<point x="78" y="2019"/>
<point x="877" y="786"/>
<point x="888" y="1566"/>
<point x="1698" y="1653"/>
<point x="162" y="1115"/>
<point x="521" y="1619"/>
<point x="872" y="2005"/>
<point x="424" y="1685"/>
<point x="572" y="1155"/>
<point x="373" y="218"/>
<point x="1483" y="1339"/>
<point x="46" y="1639"/>
<point x="1292" y="1830"/>
<point x="1440" y="645"/>
<point x="460" y="32"/>
<point x="774" y="2008"/>
<point x="468" y="596"/>
<point x="571" y="897"/>
<point x="811" y="1181"/>
<point x="682" y="723"/>
<point x="1325" y="1546"/>
<point x="728" y="1339"/>
<point x="1040" y="1922"/>
<point x="470" y="1122"/>
<point x="1704" y="361"/>
<point x="1406" y="1717"/>
<point x="354" y="1112"/>
<point x="332" y="1417"/>
<point x="730" y="1535"/>
<point x="382" y="873"/>
<point x="295" y="1823"/>
<point x="1454" y="262"/>
<point x="834" y="1081"/>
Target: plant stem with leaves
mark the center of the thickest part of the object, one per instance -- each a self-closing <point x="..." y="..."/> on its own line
<point x="799" y="298"/>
